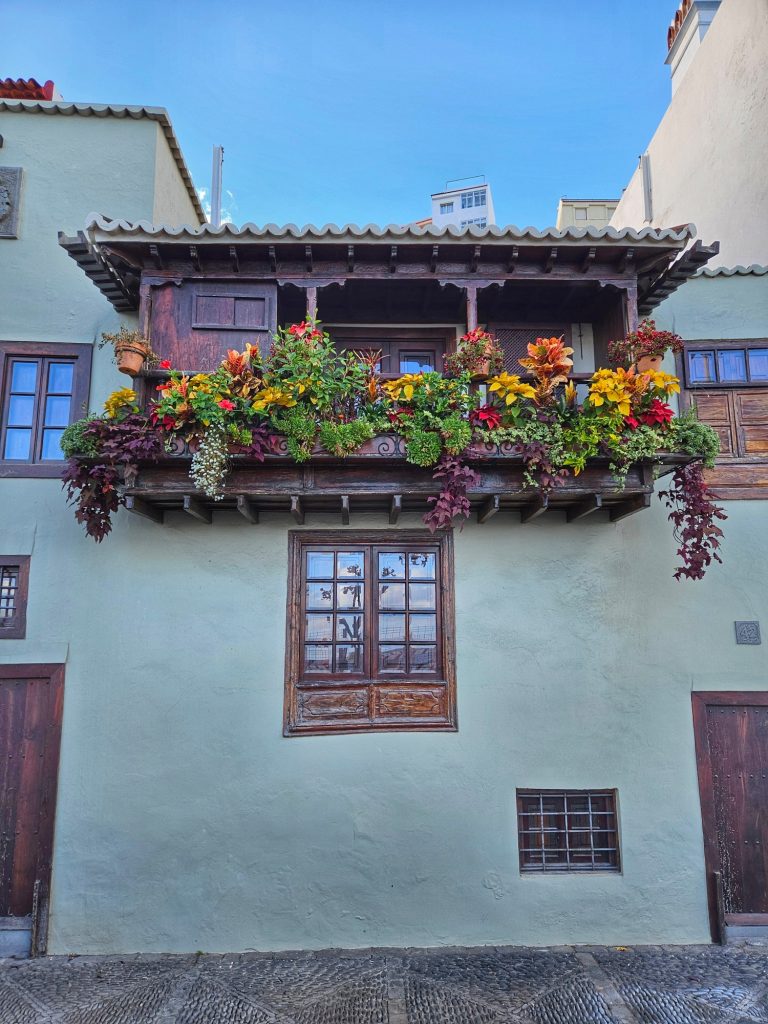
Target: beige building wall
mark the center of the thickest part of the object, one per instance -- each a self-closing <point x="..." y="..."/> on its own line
<point x="583" y="213"/>
<point x="709" y="155"/>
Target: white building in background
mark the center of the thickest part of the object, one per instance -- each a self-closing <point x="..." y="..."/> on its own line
<point x="582" y="213"/>
<point x="462" y="207"/>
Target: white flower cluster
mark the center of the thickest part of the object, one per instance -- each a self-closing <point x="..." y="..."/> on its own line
<point x="209" y="464"/>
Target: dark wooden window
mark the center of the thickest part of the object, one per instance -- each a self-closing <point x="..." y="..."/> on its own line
<point x="43" y="388"/>
<point x="727" y="382"/>
<point x="370" y="633"/>
<point x="568" y="830"/>
<point x="402" y="350"/>
<point x="14" y="589"/>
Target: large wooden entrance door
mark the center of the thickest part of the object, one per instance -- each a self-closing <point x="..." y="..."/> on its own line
<point x="31" y="699"/>
<point x="732" y="754"/>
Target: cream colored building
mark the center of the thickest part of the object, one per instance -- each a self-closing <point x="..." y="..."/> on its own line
<point x="582" y="213"/>
<point x="706" y="163"/>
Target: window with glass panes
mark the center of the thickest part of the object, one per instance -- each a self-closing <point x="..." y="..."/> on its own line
<point x="738" y="363"/>
<point x="14" y="584"/>
<point x="568" y="830"/>
<point x="44" y="388"/>
<point x="368" y="647"/>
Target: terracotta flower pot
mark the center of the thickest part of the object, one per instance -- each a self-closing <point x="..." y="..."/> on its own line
<point x="648" y="364"/>
<point x="483" y="370"/>
<point x="130" y="358"/>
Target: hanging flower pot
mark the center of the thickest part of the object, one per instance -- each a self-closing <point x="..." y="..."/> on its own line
<point x="131" y="350"/>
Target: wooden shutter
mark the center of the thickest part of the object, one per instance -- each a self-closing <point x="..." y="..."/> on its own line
<point x="194" y="323"/>
<point x="740" y="417"/>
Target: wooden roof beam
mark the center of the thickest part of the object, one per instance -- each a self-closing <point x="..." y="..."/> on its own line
<point x="433" y="258"/>
<point x="350" y="259"/>
<point x="272" y="258"/>
<point x="157" y="259"/>
<point x="589" y="259"/>
<point x="308" y="258"/>
<point x="475" y="259"/>
<point x="194" y="256"/>
<point x="627" y="260"/>
<point x="550" y="261"/>
<point x="233" y="259"/>
<point x="514" y="256"/>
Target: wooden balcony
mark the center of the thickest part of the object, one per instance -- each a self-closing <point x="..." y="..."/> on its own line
<point x="377" y="478"/>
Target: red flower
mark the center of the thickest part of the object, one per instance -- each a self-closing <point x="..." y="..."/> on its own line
<point x="226" y="404"/>
<point x="485" y="416"/>
<point x="162" y="387"/>
<point x="165" y="364"/>
<point x="658" y="414"/>
<point x="631" y="422"/>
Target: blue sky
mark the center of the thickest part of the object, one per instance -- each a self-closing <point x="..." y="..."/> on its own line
<point x="354" y="110"/>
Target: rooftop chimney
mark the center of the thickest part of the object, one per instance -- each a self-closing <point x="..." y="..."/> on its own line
<point x="27" y="89"/>
<point x="684" y="35"/>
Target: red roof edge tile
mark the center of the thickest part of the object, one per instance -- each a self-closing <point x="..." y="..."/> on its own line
<point x="677" y="22"/>
<point x="25" y="89"/>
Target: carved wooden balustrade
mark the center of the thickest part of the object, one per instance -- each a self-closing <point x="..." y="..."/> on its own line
<point x="377" y="478"/>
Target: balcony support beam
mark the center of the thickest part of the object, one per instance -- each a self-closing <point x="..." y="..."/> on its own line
<point x="195" y="508"/>
<point x="395" y="507"/>
<point x="297" y="509"/>
<point x="140" y="507"/>
<point x="489" y="508"/>
<point x="534" y="509"/>
<point x="630" y="506"/>
<point x="247" y="509"/>
<point x="345" y="510"/>
<point x="584" y="508"/>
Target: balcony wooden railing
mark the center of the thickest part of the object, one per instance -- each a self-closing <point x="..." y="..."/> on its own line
<point x="377" y="478"/>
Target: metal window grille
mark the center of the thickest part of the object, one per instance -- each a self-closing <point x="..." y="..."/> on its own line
<point x="569" y="830"/>
<point x="9" y="585"/>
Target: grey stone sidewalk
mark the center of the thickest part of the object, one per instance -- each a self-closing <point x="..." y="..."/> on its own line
<point x="579" y="985"/>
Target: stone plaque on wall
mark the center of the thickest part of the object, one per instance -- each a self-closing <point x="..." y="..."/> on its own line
<point x="10" y="201"/>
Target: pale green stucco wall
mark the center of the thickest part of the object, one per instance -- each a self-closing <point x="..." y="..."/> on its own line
<point x="185" y="821"/>
<point x="172" y="204"/>
<point x="718" y="307"/>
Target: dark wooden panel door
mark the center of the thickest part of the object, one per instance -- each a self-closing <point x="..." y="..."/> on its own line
<point x="30" y="730"/>
<point x="732" y="752"/>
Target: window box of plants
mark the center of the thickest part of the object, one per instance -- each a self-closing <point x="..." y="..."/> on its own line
<point x="313" y="429"/>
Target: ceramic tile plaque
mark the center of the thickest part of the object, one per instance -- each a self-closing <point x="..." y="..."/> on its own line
<point x="10" y="201"/>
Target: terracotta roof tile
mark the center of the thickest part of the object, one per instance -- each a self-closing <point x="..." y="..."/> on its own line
<point x="677" y="22"/>
<point x="25" y="89"/>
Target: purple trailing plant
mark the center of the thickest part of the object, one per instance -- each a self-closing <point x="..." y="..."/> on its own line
<point x="693" y="516"/>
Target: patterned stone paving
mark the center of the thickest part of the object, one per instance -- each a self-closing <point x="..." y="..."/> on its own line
<point x="580" y="985"/>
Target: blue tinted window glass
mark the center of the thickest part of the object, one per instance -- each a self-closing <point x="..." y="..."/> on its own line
<point x="21" y="408"/>
<point x="701" y="367"/>
<point x="57" y="411"/>
<point x="60" y="378"/>
<point x="416" y="362"/>
<point x="23" y="377"/>
<point x="17" y="444"/>
<point x="758" y="363"/>
<point x="52" y="444"/>
<point x="731" y="365"/>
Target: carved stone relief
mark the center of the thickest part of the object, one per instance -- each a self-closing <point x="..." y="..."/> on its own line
<point x="10" y="201"/>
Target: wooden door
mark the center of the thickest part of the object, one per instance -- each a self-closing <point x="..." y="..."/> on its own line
<point x="732" y="753"/>
<point x="31" y="699"/>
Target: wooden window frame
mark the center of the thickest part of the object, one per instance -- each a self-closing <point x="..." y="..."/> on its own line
<point x="379" y="687"/>
<point x="441" y="341"/>
<point x="81" y="356"/>
<point x="709" y="345"/>
<point x="18" y="628"/>
<point x="526" y="868"/>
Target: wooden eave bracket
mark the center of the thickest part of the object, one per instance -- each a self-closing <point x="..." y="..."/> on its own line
<point x="297" y="509"/>
<point x="585" y="508"/>
<point x="630" y="506"/>
<point x="395" y="508"/>
<point x="514" y="256"/>
<point x="350" y="259"/>
<point x="194" y="257"/>
<point x="195" y="508"/>
<point x="489" y="508"/>
<point x="534" y="509"/>
<point x="393" y="259"/>
<point x="433" y="259"/>
<point x="308" y="261"/>
<point x="140" y="507"/>
<point x="272" y="258"/>
<point x="247" y="509"/>
<point x="345" y="510"/>
<point x="475" y="259"/>
<point x="551" y="260"/>
<point x="589" y="259"/>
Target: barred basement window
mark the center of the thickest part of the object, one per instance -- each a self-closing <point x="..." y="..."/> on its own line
<point x="370" y="632"/>
<point x="14" y="580"/>
<point x="568" y="830"/>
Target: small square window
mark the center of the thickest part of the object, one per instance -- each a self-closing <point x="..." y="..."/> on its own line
<point x="446" y="207"/>
<point x="568" y="830"/>
<point x="580" y="213"/>
<point x="14" y="585"/>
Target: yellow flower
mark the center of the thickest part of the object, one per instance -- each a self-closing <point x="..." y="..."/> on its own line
<point x="402" y="389"/>
<point x="272" y="396"/>
<point x="118" y="400"/>
<point x="509" y="387"/>
<point x="666" y="383"/>
<point x="570" y="393"/>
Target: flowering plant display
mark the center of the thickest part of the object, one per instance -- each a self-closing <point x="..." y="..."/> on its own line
<point x="477" y="353"/>
<point x="318" y="398"/>
<point x="644" y="343"/>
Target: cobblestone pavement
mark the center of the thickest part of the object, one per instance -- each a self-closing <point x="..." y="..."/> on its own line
<point x="492" y="985"/>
